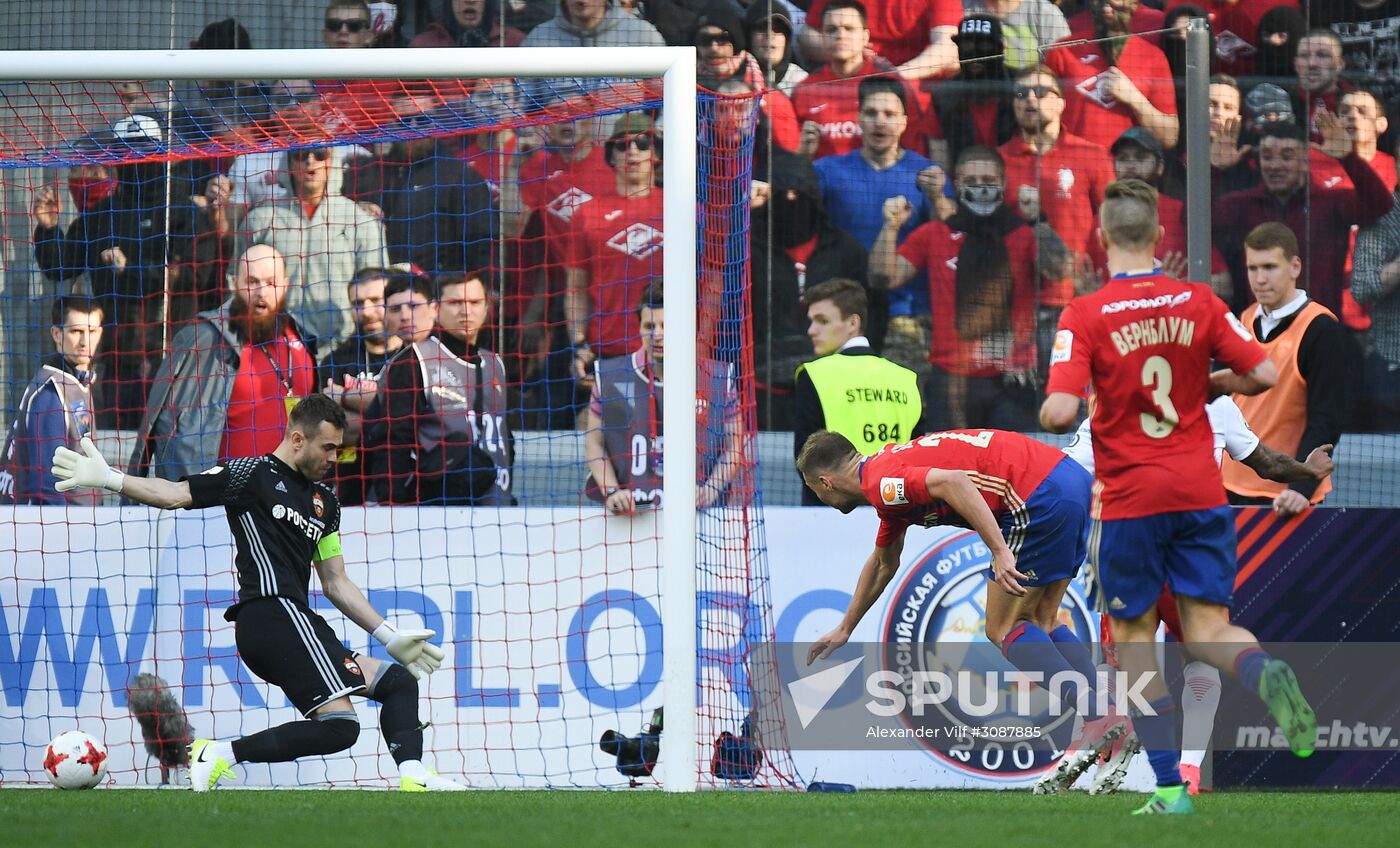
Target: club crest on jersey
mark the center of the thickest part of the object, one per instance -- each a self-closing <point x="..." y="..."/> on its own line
<point x="83" y="417"/>
<point x="892" y="491"/>
<point x="567" y="203"/>
<point x="637" y="241"/>
<point x="1066" y="181"/>
<point x="1064" y="347"/>
<point x="1096" y="88"/>
<point x="318" y="506"/>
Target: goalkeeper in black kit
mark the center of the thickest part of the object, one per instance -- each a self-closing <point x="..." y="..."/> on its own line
<point x="284" y="520"/>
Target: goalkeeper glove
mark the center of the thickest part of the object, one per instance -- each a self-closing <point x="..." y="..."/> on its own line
<point x="87" y="469"/>
<point x="411" y="649"/>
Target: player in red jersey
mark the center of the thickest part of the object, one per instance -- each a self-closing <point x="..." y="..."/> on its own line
<point x="1200" y="691"/>
<point x="1144" y="343"/>
<point x="1029" y="503"/>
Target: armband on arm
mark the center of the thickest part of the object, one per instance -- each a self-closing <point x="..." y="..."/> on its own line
<point x="328" y="547"/>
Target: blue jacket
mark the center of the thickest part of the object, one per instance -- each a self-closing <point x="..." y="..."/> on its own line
<point x="55" y="410"/>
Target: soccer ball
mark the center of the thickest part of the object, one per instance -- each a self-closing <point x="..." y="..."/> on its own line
<point x="75" y="760"/>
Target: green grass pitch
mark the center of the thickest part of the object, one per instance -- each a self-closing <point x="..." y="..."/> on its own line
<point x="564" y="819"/>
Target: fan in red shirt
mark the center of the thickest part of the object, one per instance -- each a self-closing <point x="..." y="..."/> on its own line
<point x="1145" y="343"/>
<point x="827" y="103"/>
<point x="275" y="369"/>
<point x="1062" y="173"/>
<point x="982" y="270"/>
<point x="1235" y="24"/>
<point x="543" y="189"/>
<point x="614" y="249"/>
<point x="1138" y="154"/>
<point x="1114" y="80"/>
<point x="914" y="34"/>
<point x="1027" y="501"/>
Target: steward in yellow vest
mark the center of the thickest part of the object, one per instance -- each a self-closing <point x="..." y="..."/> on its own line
<point x="866" y="398"/>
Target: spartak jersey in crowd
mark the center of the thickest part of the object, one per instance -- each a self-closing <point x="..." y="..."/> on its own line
<point x="1236" y="27"/>
<point x="1145" y="342"/>
<point x="1071" y="177"/>
<point x="1091" y="112"/>
<point x="552" y="189"/>
<point x="617" y="241"/>
<point x="1005" y="467"/>
<point x="834" y="104"/>
<point x="565" y="187"/>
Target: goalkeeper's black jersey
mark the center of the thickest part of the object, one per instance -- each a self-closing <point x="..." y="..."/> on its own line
<point x="277" y="517"/>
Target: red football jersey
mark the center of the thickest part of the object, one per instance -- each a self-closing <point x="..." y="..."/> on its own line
<point x="1144" y="343"/>
<point x="933" y="249"/>
<point x="1005" y="467"/>
<point x="557" y="188"/>
<point x="834" y="103"/>
<point x="1071" y="177"/>
<point x="267" y="375"/>
<point x="618" y="241"/>
<point x="1236" y="27"/>
<point x="1091" y="112"/>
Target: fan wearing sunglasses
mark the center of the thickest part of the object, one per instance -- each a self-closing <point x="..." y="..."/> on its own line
<point x="325" y="236"/>
<point x="614" y="250"/>
<point x="347" y="24"/>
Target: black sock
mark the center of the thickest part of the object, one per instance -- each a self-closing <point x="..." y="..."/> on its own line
<point x="297" y="739"/>
<point x="397" y="691"/>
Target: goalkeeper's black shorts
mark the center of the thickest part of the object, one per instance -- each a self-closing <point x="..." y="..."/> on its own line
<point x="287" y="644"/>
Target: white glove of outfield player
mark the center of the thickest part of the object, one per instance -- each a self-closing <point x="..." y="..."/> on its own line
<point x="411" y="649"/>
<point x="87" y="469"/>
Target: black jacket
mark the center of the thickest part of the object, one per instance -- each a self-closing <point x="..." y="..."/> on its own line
<point x="134" y="220"/>
<point x="438" y="211"/>
<point x="779" y="315"/>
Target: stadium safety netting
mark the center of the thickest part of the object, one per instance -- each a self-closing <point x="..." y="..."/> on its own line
<point x="142" y="195"/>
<point x="517" y="229"/>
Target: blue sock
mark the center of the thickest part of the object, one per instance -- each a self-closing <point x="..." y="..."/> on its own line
<point x="1158" y="736"/>
<point x="1076" y="653"/>
<point x="1249" y="667"/>
<point x="1030" y="649"/>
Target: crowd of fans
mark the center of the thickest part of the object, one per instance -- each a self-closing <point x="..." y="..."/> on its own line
<point x="948" y="156"/>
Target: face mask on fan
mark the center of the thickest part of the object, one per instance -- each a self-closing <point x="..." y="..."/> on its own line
<point x="89" y="192"/>
<point x="982" y="200"/>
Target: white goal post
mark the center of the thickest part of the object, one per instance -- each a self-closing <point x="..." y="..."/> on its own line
<point x="676" y="65"/>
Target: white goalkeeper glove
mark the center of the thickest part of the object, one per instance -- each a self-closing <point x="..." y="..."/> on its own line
<point x="87" y="469"/>
<point x="411" y="649"/>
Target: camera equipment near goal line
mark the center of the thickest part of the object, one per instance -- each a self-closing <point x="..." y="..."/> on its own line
<point x="636" y="755"/>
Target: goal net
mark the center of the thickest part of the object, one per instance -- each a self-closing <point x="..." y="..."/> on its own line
<point x="147" y="214"/>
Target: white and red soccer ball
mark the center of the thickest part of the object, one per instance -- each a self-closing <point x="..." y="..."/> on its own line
<point x="75" y="760"/>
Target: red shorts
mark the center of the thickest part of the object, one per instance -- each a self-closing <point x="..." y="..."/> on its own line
<point x="1167" y="613"/>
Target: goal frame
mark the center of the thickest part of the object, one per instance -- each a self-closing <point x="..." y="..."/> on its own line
<point x="679" y="769"/>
